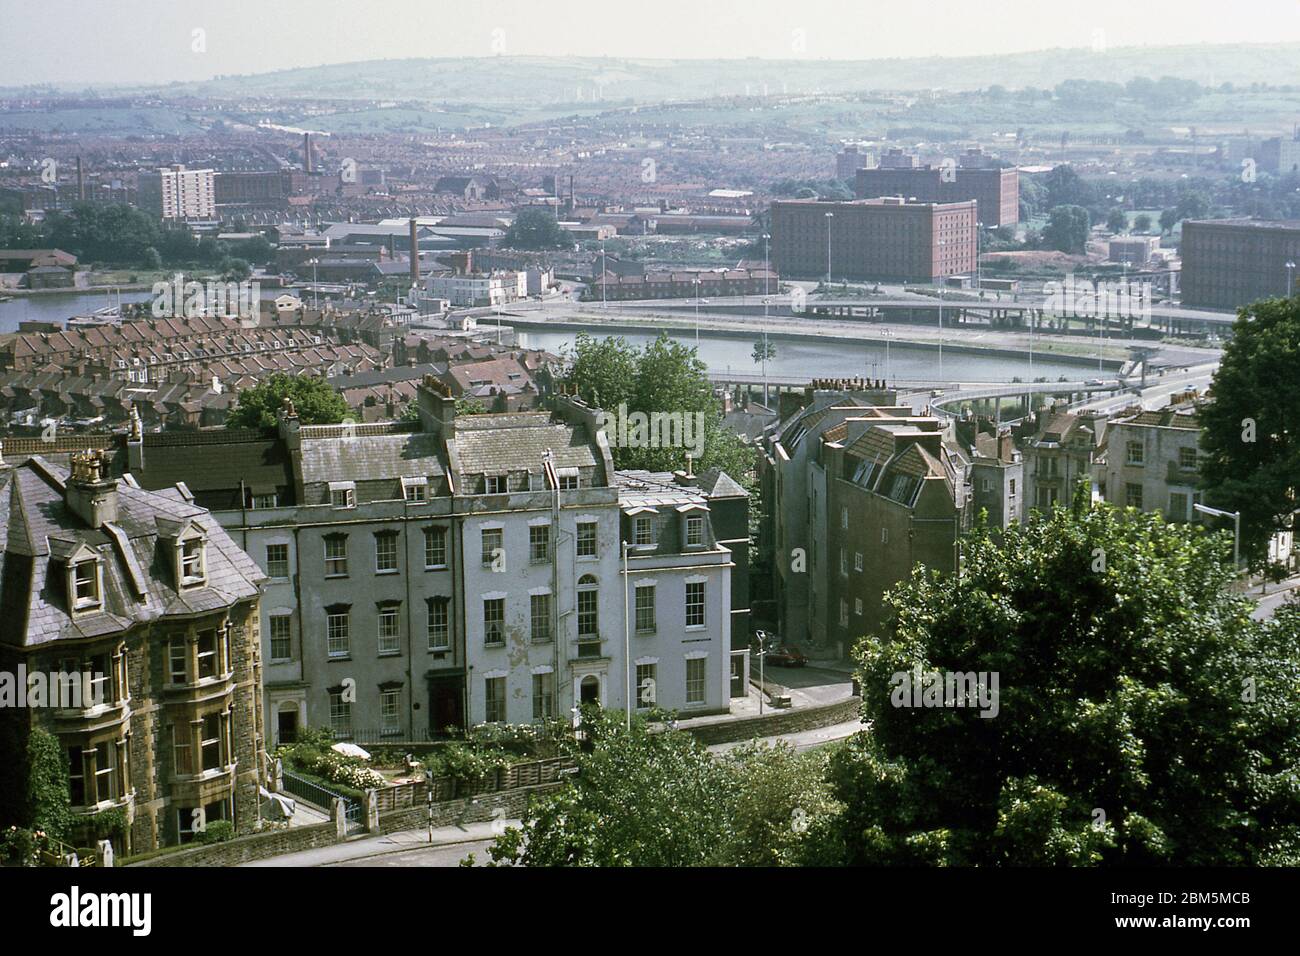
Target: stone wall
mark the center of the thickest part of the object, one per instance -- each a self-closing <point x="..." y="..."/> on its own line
<point x="258" y="846"/>
<point x="777" y="722"/>
<point x="480" y="809"/>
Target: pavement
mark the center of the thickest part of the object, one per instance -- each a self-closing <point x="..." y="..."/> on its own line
<point x="803" y="739"/>
<point x="449" y="842"/>
<point x="1277" y="595"/>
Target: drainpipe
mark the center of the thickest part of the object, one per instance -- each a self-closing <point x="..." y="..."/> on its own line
<point x="410" y="629"/>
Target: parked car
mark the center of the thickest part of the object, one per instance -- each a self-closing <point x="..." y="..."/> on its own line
<point x="783" y="655"/>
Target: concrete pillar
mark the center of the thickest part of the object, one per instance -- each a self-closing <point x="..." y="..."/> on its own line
<point x="338" y="813"/>
<point x="372" y="811"/>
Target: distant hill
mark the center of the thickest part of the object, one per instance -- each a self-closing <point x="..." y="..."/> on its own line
<point x="535" y="80"/>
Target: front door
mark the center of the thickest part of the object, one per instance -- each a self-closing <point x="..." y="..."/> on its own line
<point x="286" y="725"/>
<point x="446" y="703"/>
<point x="590" y="689"/>
<point x="738" y="675"/>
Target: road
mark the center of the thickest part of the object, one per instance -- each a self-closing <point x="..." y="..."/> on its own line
<point x="428" y="856"/>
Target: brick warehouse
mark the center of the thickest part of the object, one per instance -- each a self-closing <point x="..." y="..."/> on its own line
<point x="996" y="190"/>
<point x="1228" y="263"/>
<point x="874" y="239"/>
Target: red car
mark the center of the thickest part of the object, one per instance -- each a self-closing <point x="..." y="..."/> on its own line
<point x="786" y="656"/>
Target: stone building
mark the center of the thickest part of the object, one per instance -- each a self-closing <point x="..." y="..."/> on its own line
<point x="152" y="612"/>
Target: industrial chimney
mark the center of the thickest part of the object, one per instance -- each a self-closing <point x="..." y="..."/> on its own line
<point x="306" y="154"/>
<point x="414" y="254"/>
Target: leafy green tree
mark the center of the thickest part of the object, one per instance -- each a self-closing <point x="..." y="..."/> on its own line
<point x="1250" y="433"/>
<point x="1067" y="229"/>
<point x="48" y="786"/>
<point x="235" y="270"/>
<point x="536" y="229"/>
<point x="315" y="401"/>
<point x="1117" y="221"/>
<point x="1142" y="716"/>
<point x="639" y="798"/>
<point x="1168" y="219"/>
<point x="779" y="796"/>
<point x="604" y="370"/>
<point x="104" y="232"/>
<point x="1142" y="223"/>
<point x="1065" y="187"/>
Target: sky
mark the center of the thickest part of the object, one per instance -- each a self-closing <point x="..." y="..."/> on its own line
<point x="84" y="42"/>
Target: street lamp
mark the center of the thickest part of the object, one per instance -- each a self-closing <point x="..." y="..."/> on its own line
<point x="315" y="289"/>
<point x="886" y="334"/>
<point x="1290" y="278"/>
<point x="604" y="278"/>
<point x="829" y="217"/>
<point x="1236" y="528"/>
<point x="762" y="683"/>
<point x="697" y="311"/>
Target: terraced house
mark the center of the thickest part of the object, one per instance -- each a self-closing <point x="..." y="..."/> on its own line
<point x="146" y="595"/>
<point x="460" y="569"/>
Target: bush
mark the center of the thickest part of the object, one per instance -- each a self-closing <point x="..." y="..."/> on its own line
<point x="218" y="831"/>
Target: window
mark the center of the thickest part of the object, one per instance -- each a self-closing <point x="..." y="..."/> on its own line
<point x="492" y="544"/>
<point x="642" y="531"/>
<point x="178" y="654"/>
<point x="568" y="479"/>
<point x="435" y="547"/>
<point x="494" y="620"/>
<point x="844" y="518"/>
<point x="343" y="497"/>
<point x="77" y="776"/>
<point x="695" y="604"/>
<point x="277" y="560"/>
<point x="586" y="539"/>
<point x="646" y="686"/>
<point x="494" y="699"/>
<point x="1012" y="488"/>
<point x="1136" y="453"/>
<point x="210" y="743"/>
<point x="191" y="561"/>
<point x="439" y="624"/>
<point x="338" y="626"/>
<point x="540" y="610"/>
<point x="1133" y="495"/>
<point x="539" y="543"/>
<point x="336" y="555"/>
<point x="265" y="501"/>
<point x="494" y="484"/>
<point x="645" y="608"/>
<point x="543" y="696"/>
<point x="388" y="629"/>
<point x="844" y="563"/>
<point x="857" y="606"/>
<point x="1187" y="459"/>
<point x="695" y="672"/>
<point x="280" y="643"/>
<point x="588" y="597"/>
<point x="694" y="531"/>
<point x="884" y="536"/>
<point x="389" y="721"/>
<point x="340" y="715"/>
<point x="207" y="655"/>
<point x="413" y="490"/>
<point x="857" y="560"/>
<point x="844" y="613"/>
<point x="1177" y="506"/>
<point x="85" y="583"/>
<point x="105" y="772"/>
<point x="182" y="749"/>
<point x="385" y="552"/>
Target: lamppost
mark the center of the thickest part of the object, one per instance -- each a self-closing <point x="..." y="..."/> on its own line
<point x="767" y="273"/>
<point x="1290" y="278"/>
<point x="762" y="683"/>
<point x="829" y="217"/>
<point x="315" y="289"/>
<point x="697" y="311"/>
<point x="627" y="637"/>
<point x="1236" y="528"/>
<point x="886" y="334"/>
<point x="604" y="278"/>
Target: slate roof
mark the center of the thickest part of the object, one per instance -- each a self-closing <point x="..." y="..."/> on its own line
<point x="372" y="457"/>
<point x="212" y="464"/>
<point x="495" y="444"/>
<point x="36" y="527"/>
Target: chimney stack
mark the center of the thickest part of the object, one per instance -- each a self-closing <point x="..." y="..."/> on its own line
<point x="436" y="406"/>
<point x="90" y="493"/>
<point x="306" y="154"/>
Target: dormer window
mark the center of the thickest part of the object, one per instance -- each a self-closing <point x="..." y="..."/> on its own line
<point x="191" y="562"/>
<point x="642" y="531"/>
<point x="415" y="490"/>
<point x="567" y="479"/>
<point x="694" y="531"/>
<point x="494" y="484"/>
<point x="85" y="584"/>
<point x="343" y="494"/>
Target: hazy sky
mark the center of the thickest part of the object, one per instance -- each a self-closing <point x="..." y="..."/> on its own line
<point x="152" y="41"/>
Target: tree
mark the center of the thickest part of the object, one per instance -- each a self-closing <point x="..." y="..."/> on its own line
<point x="48" y="787"/>
<point x="1250" y="433"/>
<point x="1140" y="716"/>
<point x="235" y="270"/>
<point x="1117" y="221"/>
<point x="536" y="229"/>
<point x="315" y="401"/>
<point x="1168" y="219"/>
<point x="639" y="798"/>
<point x="1142" y="223"/>
<point x="1067" y="229"/>
<point x="763" y="352"/>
